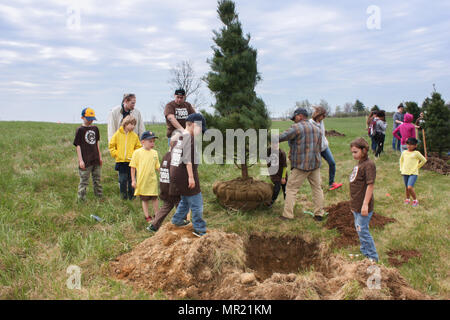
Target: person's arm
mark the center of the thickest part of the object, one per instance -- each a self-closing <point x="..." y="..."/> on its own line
<point x="141" y="124"/>
<point x="111" y="125"/>
<point x="289" y="134"/>
<point x="99" y="154"/>
<point x="133" y="177"/>
<point x="174" y="122"/>
<point x="401" y="160"/>
<point x="422" y="160"/>
<point x="394" y="133"/>
<point x="367" y="198"/>
<point x="80" y="158"/>
<point x="112" y="146"/>
<point x="191" y="179"/>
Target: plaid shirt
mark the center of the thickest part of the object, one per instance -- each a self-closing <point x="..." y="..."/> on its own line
<point x="305" y="141"/>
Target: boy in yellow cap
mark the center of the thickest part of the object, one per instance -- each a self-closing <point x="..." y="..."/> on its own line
<point x="88" y="152"/>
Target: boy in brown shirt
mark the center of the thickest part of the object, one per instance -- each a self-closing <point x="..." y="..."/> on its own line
<point x="362" y="181"/>
<point x="176" y="113"/>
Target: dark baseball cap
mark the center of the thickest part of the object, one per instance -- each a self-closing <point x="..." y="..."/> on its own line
<point x="299" y="111"/>
<point x="197" y="117"/>
<point x="180" y="92"/>
<point x="148" y="135"/>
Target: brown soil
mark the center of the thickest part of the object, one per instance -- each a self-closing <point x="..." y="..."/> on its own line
<point x="333" y="133"/>
<point x="399" y="257"/>
<point x="243" y="194"/>
<point x="438" y="165"/>
<point x="341" y="218"/>
<point x="226" y="266"/>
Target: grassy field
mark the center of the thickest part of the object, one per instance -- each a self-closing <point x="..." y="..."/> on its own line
<point x="43" y="230"/>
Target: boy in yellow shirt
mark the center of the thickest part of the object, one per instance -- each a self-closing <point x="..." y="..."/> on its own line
<point x="146" y="162"/>
<point x="410" y="163"/>
<point x="121" y="146"/>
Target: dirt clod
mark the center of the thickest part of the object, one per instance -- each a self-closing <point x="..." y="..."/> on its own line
<point x="438" y="165"/>
<point x="341" y="218"/>
<point x="218" y="266"/>
<point x="399" y="257"/>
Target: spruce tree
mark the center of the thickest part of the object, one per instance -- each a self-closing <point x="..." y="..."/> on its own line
<point x="412" y="108"/>
<point x="437" y="123"/>
<point x="233" y="78"/>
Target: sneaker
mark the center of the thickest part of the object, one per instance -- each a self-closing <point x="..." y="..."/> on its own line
<point x="198" y="233"/>
<point x="335" y="185"/>
<point x="407" y="201"/>
<point x="151" y="228"/>
<point x="372" y="261"/>
<point x="318" y="218"/>
<point x="184" y="223"/>
<point x="415" y="203"/>
<point x="148" y="219"/>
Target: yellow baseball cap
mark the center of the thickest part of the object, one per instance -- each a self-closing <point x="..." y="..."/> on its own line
<point x="89" y="114"/>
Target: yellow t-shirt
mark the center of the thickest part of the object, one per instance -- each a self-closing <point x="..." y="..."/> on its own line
<point x="146" y="163"/>
<point x="411" y="162"/>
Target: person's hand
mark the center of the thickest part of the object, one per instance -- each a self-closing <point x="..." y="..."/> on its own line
<point x="283" y="181"/>
<point x="101" y="162"/>
<point x="365" y="210"/>
<point x="133" y="184"/>
<point x="82" y="165"/>
<point x="191" y="182"/>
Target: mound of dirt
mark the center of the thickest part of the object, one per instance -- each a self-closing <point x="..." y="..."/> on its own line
<point x="333" y="133"/>
<point x="437" y="165"/>
<point x="399" y="257"/>
<point x="243" y="194"/>
<point x="220" y="266"/>
<point x="341" y="217"/>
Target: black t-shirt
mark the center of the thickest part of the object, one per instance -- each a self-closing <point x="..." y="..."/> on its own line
<point x="87" y="138"/>
<point x="282" y="163"/>
<point x="178" y="171"/>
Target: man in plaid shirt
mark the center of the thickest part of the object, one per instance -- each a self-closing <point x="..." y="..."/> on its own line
<point x="305" y="142"/>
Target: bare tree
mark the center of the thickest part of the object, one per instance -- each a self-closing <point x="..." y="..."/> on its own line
<point x="183" y="76"/>
<point x="348" y="107"/>
<point x="304" y="104"/>
<point x="324" y="104"/>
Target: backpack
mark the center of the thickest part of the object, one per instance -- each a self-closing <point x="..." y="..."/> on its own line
<point x="371" y="129"/>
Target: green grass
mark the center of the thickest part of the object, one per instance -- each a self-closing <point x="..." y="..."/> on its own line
<point x="43" y="230"/>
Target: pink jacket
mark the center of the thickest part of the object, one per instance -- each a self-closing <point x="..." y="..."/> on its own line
<point x="407" y="129"/>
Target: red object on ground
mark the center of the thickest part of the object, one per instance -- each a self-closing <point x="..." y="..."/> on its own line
<point x="335" y="186"/>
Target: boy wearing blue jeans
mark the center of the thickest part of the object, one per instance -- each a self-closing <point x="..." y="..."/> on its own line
<point x="184" y="174"/>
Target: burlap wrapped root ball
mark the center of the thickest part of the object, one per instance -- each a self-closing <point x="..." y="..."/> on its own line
<point x="243" y="194"/>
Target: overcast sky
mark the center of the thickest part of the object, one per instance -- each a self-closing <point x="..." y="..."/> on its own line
<point x="51" y="66"/>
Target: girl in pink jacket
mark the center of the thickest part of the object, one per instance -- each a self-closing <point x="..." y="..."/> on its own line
<point x="407" y="130"/>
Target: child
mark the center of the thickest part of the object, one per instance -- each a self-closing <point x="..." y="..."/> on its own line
<point x="317" y="120"/>
<point x="407" y="130"/>
<point x="279" y="178"/>
<point x="170" y="201"/>
<point x="184" y="174"/>
<point x="89" y="156"/>
<point x="146" y="162"/>
<point x="410" y="163"/>
<point x="380" y="131"/>
<point x="121" y="146"/>
<point x="362" y="182"/>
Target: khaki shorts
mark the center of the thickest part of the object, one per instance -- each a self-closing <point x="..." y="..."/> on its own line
<point x="148" y="198"/>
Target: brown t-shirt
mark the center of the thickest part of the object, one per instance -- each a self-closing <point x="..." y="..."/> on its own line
<point x="282" y="163"/>
<point x="164" y="179"/>
<point x="180" y="111"/>
<point x="87" y="138"/>
<point x="178" y="170"/>
<point x="362" y="175"/>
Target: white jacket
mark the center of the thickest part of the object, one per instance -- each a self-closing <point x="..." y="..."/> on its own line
<point x="115" y="118"/>
<point x="321" y="126"/>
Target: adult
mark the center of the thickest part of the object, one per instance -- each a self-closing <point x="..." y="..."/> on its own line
<point x="118" y="113"/>
<point x="176" y="113"/>
<point x="318" y="116"/>
<point x="305" y="142"/>
<point x="398" y="120"/>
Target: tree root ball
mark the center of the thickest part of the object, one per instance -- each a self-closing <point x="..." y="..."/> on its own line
<point x="243" y="194"/>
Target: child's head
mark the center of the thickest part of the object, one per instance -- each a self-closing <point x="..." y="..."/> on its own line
<point x="192" y="124"/>
<point x="319" y="114"/>
<point x="411" y="143"/>
<point x="148" y="140"/>
<point x="381" y="114"/>
<point x="88" y="116"/>
<point x="174" y="139"/>
<point x="360" y="149"/>
<point x="128" y="123"/>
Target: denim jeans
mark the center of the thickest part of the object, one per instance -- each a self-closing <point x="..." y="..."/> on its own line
<point x="328" y="156"/>
<point x="362" y="228"/>
<point x="409" y="180"/>
<point x="403" y="147"/>
<point x="374" y="143"/>
<point x="126" y="190"/>
<point x="195" y="203"/>
<point x="395" y="142"/>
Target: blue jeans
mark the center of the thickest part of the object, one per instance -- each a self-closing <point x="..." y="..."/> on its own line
<point x="195" y="203"/>
<point x="394" y="142"/>
<point x="362" y="228"/>
<point x="328" y="156"/>
<point x="410" y="181"/>
<point x="374" y="143"/>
